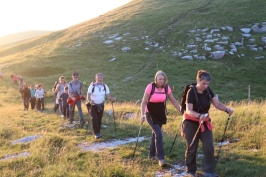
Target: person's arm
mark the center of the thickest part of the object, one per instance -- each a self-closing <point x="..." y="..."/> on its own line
<point x="143" y="106"/>
<point x="221" y="106"/>
<point x="174" y="102"/>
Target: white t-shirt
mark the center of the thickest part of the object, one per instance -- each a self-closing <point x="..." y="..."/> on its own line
<point x="98" y="96"/>
<point x="39" y="93"/>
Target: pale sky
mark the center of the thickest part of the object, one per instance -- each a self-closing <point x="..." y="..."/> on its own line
<point x="50" y="15"/>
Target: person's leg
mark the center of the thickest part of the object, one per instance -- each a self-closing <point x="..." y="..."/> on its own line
<point x="38" y="104"/>
<point x="42" y="102"/>
<point x="60" y="107"/>
<point x="208" y="161"/>
<point x="190" y="130"/>
<point x="156" y="129"/>
<point x="24" y="103"/>
<point x="64" y="109"/>
<point x="81" y="120"/>
<point x="100" y="116"/>
<point x="71" y="113"/>
<point x="94" y="119"/>
<point x="27" y="103"/>
<point x="67" y="110"/>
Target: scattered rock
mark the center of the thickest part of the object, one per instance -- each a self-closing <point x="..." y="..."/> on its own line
<point x="126" y="48"/>
<point x="112" y="59"/>
<point x="188" y="57"/>
<point x="259" y="57"/>
<point x="245" y="30"/>
<point x="217" y="54"/>
<point x="98" y="146"/>
<point x="26" y="139"/>
<point x="229" y="28"/>
<point x="263" y="40"/>
<point x="23" y="154"/>
<point x="108" y="41"/>
<point x="258" y="29"/>
<point x="199" y="57"/>
<point x="246" y="35"/>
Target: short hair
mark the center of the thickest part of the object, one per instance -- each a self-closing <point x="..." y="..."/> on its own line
<point x="99" y="74"/>
<point x="160" y="72"/>
<point x="66" y="88"/>
<point x="203" y="75"/>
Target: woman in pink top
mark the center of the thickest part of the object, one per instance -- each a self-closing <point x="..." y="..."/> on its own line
<point x="153" y="109"/>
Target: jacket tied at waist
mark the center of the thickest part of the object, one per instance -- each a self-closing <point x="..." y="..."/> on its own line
<point x="188" y="117"/>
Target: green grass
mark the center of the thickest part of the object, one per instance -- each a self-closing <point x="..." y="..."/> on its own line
<point x="46" y="58"/>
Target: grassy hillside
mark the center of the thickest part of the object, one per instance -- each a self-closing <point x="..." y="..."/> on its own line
<point x="81" y="48"/>
<point x="155" y="30"/>
<point x="20" y="37"/>
<point x="56" y="151"/>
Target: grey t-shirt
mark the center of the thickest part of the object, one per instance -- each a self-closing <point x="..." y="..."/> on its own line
<point x="75" y="87"/>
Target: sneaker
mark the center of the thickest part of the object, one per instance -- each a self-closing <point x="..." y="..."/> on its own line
<point x="205" y="174"/>
<point x="96" y="137"/>
<point x="152" y="157"/>
<point x="62" y="116"/>
<point x="161" y="163"/>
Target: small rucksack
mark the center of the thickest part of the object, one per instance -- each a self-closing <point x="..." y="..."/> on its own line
<point x="184" y="95"/>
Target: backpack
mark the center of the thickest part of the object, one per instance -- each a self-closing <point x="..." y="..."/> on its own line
<point x="184" y="95"/>
<point x="153" y="89"/>
<point x="93" y="84"/>
<point x="54" y="87"/>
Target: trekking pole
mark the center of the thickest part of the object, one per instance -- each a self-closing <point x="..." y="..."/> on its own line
<point x="113" y="115"/>
<point x="137" y="140"/>
<point x="222" y="140"/>
<point x="192" y="142"/>
<point x="175" y="137"/>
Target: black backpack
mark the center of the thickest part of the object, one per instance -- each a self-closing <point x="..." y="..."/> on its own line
<point x="184" y="96"/>
<point x="93" y="84"/>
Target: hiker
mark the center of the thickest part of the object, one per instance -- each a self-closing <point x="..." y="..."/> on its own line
<point x="75" y="93"/>
<point x="194" y="114"/>
<point x="96" y="96"/>
<point x="54" y="91"/>
<point x="32" y="97"/>
<point x="15" y="79"/>
<point x="59" y="90"/>
<point x="153" y="108"/>
<point x="65" y="107"/>
<point x="39" y="94"/>
<point x="25" y="94"/>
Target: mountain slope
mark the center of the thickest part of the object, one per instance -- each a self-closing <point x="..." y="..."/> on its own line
<point x="19" y="37"/>
<point x="152" y="33"/>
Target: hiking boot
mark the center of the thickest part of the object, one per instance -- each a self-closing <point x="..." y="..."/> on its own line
<point x="205" y="174"/>
<point x="152" y="157"/>
<point x="161" y="163"/>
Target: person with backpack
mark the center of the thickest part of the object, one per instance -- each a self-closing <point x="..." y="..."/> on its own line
<point x="59" y="90"/>
<point x="197" y="124"/>
<point x="75" y="94"/>
<point x="54" y="91"/>
<point x="39" y="95"/>
<point x="25" y="94"/>
<point x="153" y="108"/>
<point x="95" y="97"/>
<point x="32" y="97"/>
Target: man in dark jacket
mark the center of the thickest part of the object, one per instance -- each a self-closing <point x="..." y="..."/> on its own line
<point x="25" y="94"/>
